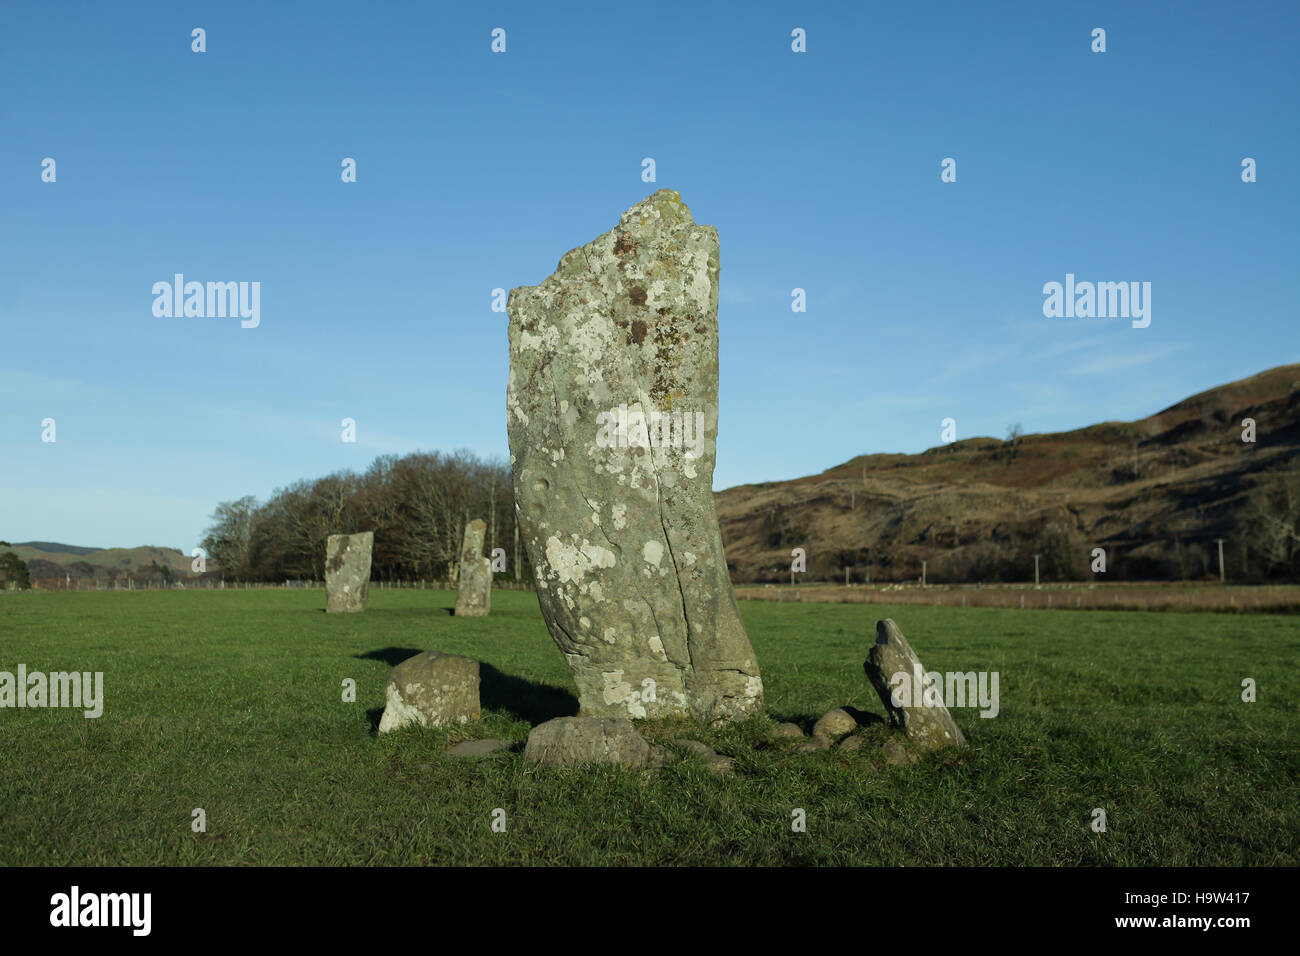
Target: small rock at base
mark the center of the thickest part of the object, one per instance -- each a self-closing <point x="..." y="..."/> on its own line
<point x="695" y="746"/>
<point x="851" y="743"/>
<point x="720" y="764"/>
<point x="814" y="742"/>
<point x="571" y="741"/>
<point x="835" y="724"/>
<point x="788" y="730"/>
<point x="897" y="753"/>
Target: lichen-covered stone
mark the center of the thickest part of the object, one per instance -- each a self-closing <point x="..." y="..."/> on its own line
<point x="474" y="583"/>
<point x="788" y="731"/>
<point x="617" y="515"/>
<point x="572" y="741"/>
<point x="347" y="571"/>
<point x="431" y="690"/>
<point x="926" y="720"/>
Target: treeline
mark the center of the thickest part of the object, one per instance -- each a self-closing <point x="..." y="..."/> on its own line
<point x="417" y="505"/>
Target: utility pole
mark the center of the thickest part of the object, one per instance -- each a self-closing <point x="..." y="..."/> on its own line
<point x="1221" y="575"/>
<point x="846" y="577"/>
<point x="1036" y="557"/>
<point x="922" y="574"/>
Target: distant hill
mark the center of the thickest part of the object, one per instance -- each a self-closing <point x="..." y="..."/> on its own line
<point x="1154" y="493"/>
<point x="52" y="547"/>
<point x="57" y="560"/>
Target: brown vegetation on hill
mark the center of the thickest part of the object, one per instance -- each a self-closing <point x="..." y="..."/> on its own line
<point x="1155" y="494"/>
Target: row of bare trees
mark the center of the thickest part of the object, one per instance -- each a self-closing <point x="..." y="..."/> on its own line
<point x="417" y="505"/>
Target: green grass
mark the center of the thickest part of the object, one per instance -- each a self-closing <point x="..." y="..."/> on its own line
<point x="231" y="701"/>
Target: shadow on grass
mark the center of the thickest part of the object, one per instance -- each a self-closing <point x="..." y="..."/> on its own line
<point x="522" y="699"/>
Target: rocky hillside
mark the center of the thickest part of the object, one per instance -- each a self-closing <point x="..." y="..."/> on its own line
<point x="1154" y="494"/>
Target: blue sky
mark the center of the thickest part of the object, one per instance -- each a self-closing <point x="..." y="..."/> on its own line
<point x="477" y="170"/>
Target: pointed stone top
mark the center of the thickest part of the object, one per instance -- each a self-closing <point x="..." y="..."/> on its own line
<point x="888" y="632"/>
<point x="664" y="206"/>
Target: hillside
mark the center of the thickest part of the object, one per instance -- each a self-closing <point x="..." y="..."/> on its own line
<point x="1154" y="493"/>
<point x="46" y="559"/>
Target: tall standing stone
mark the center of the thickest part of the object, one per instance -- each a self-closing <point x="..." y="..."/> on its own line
<point x="913" y="698"/>
<point x="612" y="408"/>
<point x="347" y="571"/>
<point x="474" y="593"/>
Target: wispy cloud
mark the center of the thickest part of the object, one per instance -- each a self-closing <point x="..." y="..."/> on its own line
<point x="1126" y="359"/>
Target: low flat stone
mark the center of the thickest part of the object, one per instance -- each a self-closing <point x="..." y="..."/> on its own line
<point x="899" y="679"/>
<point x="788" y="730"/>
<point x="835" y="724"/>
<point x="478" y="748"/>
<point x="572" y="741"/>
<point x="852" y="743"/>
<point x="431" y="690"/>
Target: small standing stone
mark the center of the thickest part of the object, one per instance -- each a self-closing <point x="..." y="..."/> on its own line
<point x="813" y="743"/>
<point x="431" y="690"/>
<point x="788" y="731"/>
<point x="347" y="571"/>
<point x="898" y="677"/>
<point x="474" y="594"/>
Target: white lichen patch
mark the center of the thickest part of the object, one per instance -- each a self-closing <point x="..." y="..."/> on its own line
<point x="657" y="648"/>
<point x="653" y="552"/>
<point x="570" y="562"/>
<point x="608" y="635"/>
<point x="618" y="691"/>
<point x="620" y="517"/>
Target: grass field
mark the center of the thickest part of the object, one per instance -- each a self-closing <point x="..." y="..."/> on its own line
<point x="231" y="701"/>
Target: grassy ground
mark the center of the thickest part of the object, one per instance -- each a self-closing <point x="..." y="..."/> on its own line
<point x="231" y="701"/>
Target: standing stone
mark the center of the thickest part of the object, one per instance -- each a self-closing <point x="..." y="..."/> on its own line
<point x="612" y="409"/>
<point x="347" y="571"/>
<point x="431" y="690"/>
<point x="474" y="594"/>
<point x="914" y="702"/>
